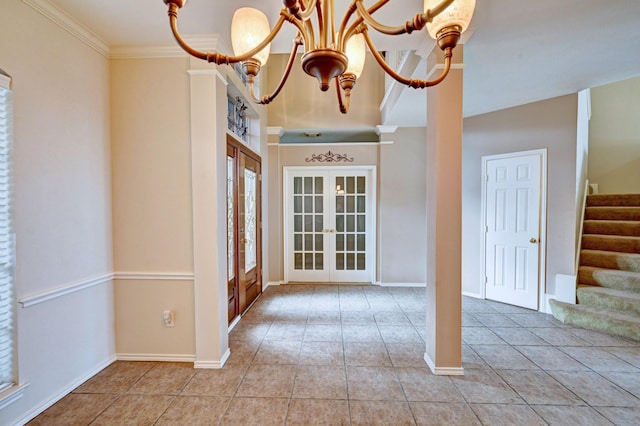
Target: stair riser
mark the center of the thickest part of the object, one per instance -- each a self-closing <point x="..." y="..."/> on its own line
<point x="631" y="200"/>
<point x="611" y="243"/>
<point x="617" y="213"/>
<point x="609" y="279"/>
<point x="608" y="302"/>
<point x="622" y="262"/>
<point x="611" y="228"/>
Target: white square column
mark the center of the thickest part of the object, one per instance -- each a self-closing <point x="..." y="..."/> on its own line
<point x="444" y="218"/>
<point x="208" y="182"/>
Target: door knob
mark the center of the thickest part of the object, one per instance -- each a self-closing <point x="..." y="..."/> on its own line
<point x="533" y="240"/>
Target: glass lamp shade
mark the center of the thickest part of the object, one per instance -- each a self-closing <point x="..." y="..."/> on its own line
<point x="458" y="13"/>
<point x="355" y="52"/>
<point x="249" y="28"/>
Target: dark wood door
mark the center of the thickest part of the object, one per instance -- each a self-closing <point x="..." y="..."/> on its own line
<point x="244" y="221"/>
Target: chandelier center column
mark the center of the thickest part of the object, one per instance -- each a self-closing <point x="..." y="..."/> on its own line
<point x="444" y="217"/>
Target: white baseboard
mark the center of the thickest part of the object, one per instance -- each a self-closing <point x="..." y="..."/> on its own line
<point x="546" y="309"/>
<point x="474" y="295"/>
<point x="213" y="364"/>
<point x="390" y="284"/>
<point x="64" y="392"/>
<point x="270" y="283"/>
<point x="443" y="371"/>
<point x="156" y="357"/>
<point x="234" y="323"/>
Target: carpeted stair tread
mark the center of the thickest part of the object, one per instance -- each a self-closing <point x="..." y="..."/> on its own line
<point x="612" y="213"/>
<point x="610" y="278"/>
<point x="612" y="227"/>
<point x="613" y="200"/>
<point x="609" y="298"/>
<point x="619" y="243"/>
<point x="610" y="260"/>
<point x="618" y="323"/>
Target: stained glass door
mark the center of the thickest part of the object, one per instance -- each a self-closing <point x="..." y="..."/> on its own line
<point x="244" y="256"/>
<point x="249" y="265"/>
<point x="329" y="225"/>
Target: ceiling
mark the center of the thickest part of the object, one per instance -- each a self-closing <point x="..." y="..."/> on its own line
<point x="518" y="52"/>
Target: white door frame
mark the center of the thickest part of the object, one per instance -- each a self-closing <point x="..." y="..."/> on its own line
<point x="542" y="279"/>
<point x="372" y="258"/>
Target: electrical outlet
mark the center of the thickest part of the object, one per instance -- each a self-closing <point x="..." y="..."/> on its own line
<point x="169" y="318"/>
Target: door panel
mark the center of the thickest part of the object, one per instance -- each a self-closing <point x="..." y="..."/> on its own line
<point x="350" y="260"/>
<point x="329" y="225"/>
<point x="513" y="230"/>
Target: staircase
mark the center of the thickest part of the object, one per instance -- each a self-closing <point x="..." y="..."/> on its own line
<point x="608" y="290"/>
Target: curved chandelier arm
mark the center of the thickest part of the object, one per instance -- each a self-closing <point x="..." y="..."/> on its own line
<point x="414" y="83"/>
<point x="343" y="35"/>
<point x="300" y="9"/>
<point x="173" y="21"/>
<point x="219" y="58"/>
<point x="416" y="24"/>
<point x="267" y="99"/>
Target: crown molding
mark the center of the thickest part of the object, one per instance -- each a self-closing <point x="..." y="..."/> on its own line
<point x="204" y="43"/>
<point x="69" y="24"/>
<point x="275" y="130"/>
<point x="381" y="129"/>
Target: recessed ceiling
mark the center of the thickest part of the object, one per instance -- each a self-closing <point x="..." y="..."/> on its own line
<point x="519" y="52"/>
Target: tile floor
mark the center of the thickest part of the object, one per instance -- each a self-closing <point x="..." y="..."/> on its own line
<point x="340" y="355"/>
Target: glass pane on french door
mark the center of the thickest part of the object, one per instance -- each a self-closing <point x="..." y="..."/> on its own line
<point x="328" y="229"/>
<point x="351" y="215"/>
<point x="308" y="223"/>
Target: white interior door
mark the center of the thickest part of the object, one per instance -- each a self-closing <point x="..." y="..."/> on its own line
<point x="329" y="224"/>
<point x="513" y="207"/>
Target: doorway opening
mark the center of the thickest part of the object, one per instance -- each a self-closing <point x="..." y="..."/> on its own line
<point x="329" y="224"/>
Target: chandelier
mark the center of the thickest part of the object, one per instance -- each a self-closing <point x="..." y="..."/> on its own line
<point x="330" y="54"/>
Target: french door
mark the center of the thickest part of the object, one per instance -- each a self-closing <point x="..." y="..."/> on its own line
<point x="244" y="256"/>
<point x="329" y="224"/>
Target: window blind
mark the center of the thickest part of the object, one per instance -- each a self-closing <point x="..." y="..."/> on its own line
<point x="6" y="240"/>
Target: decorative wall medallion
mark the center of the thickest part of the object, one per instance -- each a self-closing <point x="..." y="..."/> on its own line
<point x="329" y="157"/>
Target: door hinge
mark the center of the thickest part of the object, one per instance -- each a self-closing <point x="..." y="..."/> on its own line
<point x="486" y="280"/>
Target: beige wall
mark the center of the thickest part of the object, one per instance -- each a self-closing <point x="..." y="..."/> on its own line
<point x="614" y="137"/>
<point x="402" y="208"/>
<point x="316" y="109"/>
<point x="549" y="124"/>
<point x="152" y="225"/>
<point x="62" y="206"/>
